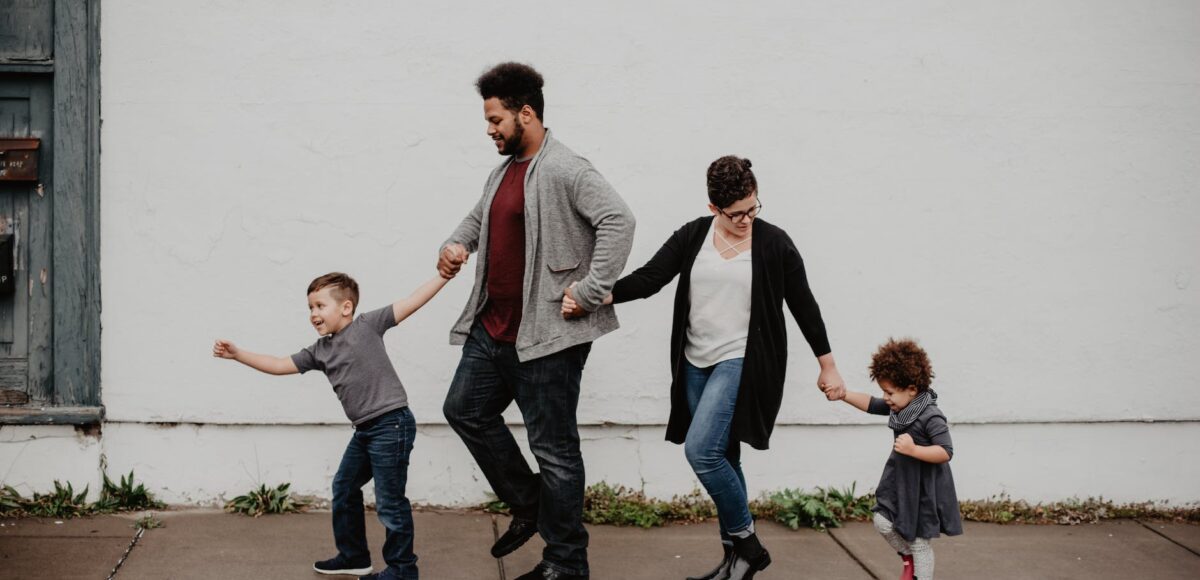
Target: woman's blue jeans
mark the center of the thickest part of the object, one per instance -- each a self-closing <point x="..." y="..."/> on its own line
<point x="712" y="397"/>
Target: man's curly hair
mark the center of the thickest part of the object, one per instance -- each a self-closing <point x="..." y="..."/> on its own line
<point x="515" y="84"/>
<point x="903" y="363"/>
<point x="730" y="179"/>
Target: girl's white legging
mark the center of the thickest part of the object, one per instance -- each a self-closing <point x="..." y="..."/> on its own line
<point x="920" y="549"/>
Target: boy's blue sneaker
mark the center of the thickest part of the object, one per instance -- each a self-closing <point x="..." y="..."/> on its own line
<point x="340" y="565"/>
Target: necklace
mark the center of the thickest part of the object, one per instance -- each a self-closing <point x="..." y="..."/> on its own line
<point x="729" y="246"/>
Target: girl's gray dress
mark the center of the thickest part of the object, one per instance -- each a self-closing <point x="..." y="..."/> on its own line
<point x="919" y="497"/>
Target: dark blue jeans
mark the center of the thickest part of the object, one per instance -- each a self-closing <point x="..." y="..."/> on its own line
<point x="378" y="451"/>
<point x="712" y="397"/>
<point x="489" y="378"/>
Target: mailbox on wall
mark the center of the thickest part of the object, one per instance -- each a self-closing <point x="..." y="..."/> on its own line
<point x="19" y="159"/>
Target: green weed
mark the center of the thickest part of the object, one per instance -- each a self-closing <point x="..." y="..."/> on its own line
<point x="125" y="496"/>
<point x="63" y="502"/>
<point x="264" y="500"/>
<point x="822" y="509"/>
<point x="148" y="522"/>
<point x="619" y="506"/>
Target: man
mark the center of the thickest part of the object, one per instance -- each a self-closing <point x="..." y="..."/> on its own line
<point x="547" y="219"/>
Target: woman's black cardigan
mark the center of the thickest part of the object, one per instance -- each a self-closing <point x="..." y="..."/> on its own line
<point x="777" y="276"/>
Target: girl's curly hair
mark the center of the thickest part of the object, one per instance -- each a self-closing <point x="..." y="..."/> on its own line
<point x="903" y="363"/>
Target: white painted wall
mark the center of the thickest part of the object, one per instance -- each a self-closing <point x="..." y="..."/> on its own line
<point x="1013" y="183"/>
<point x="206" y="464"/>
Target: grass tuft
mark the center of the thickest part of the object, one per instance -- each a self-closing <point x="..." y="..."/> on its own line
<point x="63" y="502"/>
<point x="265" y="500"/>
<point x="125" y="496"/>
<point x="830" y="507"/>
<point x="824" y="508"/>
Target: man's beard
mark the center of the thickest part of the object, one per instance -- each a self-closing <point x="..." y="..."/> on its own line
<point x="513" y="144"/>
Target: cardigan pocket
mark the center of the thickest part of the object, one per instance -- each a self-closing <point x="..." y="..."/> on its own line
<point x="559" y="279"/>
<point x="564" y="267"/>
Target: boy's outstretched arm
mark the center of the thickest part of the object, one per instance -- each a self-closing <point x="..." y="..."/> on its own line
<point x="404" y="307"/>
<point x="272" y="365"/>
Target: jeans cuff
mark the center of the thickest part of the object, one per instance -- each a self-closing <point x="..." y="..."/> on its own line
<point x="565" y="569"/>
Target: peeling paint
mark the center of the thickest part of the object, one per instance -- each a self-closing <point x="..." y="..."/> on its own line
<point x="89" y="431"/>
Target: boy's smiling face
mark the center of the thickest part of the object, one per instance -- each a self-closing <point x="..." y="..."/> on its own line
<point x="895" y="397"/>
<point x="327" y="314"/>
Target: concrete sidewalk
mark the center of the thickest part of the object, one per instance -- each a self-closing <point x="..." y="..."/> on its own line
<point x="453" y="545"/>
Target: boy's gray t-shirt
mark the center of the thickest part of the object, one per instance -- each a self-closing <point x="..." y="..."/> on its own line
<point x="357" y="365"/>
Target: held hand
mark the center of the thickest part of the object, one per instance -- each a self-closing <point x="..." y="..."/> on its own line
<point x="224" y="349"/>
<point x="568" y="304"/>
<point x="904" y="445"/>
<point x="832" y="393"/>
<point x="830" y="382"/>
<point x="451" y="260"/>
<point x="571" y="308"/>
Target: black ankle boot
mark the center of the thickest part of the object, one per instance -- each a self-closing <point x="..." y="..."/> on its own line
<point x="721" y="572"/>
<point x="750" y="557"/>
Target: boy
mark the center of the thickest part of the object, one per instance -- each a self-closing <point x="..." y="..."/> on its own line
<point x="351" y="354"/>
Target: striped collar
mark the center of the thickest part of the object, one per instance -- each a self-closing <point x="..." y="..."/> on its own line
<point x="901" y="419"/>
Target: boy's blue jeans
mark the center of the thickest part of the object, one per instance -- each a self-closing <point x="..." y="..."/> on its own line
<point x="379" y="450"/>
<point x="712" y="397"/>
<point x="489" y="378"/>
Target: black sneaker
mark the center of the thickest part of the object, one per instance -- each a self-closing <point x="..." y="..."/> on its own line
<point x="519" y="532"/>
<point x="340" y="565"/>
<point x="385" y="575"/>
<point x="546" y="573"/>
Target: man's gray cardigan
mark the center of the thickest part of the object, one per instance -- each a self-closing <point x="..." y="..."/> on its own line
<point x="577" y="229"/>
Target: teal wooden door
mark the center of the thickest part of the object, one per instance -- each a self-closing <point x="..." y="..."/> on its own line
<point x="26" y="110"/>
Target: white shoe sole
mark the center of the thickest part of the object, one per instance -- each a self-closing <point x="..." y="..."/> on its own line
<point x="345" y="571"/>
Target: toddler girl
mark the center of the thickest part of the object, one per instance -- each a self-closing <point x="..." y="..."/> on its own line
<point x="915" y="499"/>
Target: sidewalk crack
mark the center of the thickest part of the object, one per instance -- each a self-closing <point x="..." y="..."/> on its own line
<point x="495" y="537"/>
<point x="128" y="550"/>
<point x="854" y="557"/>
<point x="1166" y="537"/>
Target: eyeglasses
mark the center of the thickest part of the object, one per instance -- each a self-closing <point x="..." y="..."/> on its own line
<point x="738" y="217"/>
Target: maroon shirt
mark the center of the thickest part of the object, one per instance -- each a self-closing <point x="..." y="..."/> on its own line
<point x="506" y="256"/>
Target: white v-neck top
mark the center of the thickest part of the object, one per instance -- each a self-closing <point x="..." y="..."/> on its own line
<point x="719" y="321"/>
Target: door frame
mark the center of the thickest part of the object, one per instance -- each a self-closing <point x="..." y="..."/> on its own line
<point x="74" y="273"/>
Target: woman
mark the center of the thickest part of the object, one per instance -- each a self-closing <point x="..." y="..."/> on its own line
<point x="729" y="344"/>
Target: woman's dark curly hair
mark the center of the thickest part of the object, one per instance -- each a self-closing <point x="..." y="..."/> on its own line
<point x="515" y="84"/>
<point x="730" y="179"/>
<point x="902" y="363"/>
